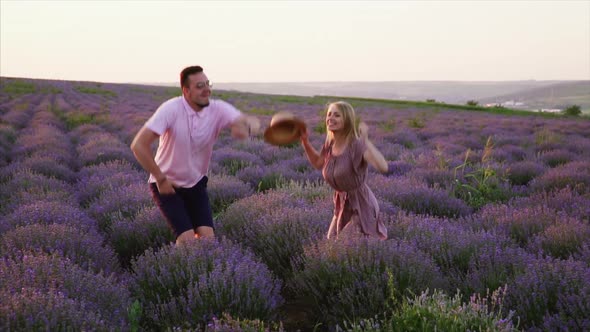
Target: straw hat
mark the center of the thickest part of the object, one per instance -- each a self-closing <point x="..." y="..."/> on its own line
<point x="285" y="128"/>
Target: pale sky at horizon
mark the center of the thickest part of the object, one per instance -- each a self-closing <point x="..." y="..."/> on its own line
<point x="288" y="41"/>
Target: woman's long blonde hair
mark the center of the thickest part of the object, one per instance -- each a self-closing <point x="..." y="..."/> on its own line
<point x="349" y="119"/>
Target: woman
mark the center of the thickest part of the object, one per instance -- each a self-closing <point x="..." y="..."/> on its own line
<point x="344" y="161"/>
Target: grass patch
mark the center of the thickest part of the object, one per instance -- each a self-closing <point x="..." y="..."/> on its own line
<point x="74" y="119"/>
<point x="172" y="92"/>
<point x="143" y="90"/>
<point x="289" y="99"/>
<point x="95" y="91"/>
<point x="320" y="128"/>
<point x="50" y="90"/>
<point x="21" y="106"/>
<point x="417" y="122"/>
<point x="388" y="126"/>
<point x="261" y="111"/>
<point x="546" y="136"/>
<point x="19" y="88"/>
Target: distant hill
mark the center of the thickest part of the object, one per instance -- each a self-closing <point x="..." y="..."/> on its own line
<point x="527" y="95"/>
<point x="534" y="94"/>
<point x="558" y="95"/>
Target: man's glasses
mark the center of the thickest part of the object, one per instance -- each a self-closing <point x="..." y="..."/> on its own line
<point x="201" y="85"/>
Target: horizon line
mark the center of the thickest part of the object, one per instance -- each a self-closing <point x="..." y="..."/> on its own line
<point x="305" y="82"/>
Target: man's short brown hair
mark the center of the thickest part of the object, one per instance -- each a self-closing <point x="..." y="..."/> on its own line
<point x="186" y="72"/>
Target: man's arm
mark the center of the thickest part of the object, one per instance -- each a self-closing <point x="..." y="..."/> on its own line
<point x="141" y="147"/>
<point x="245" y="126"/>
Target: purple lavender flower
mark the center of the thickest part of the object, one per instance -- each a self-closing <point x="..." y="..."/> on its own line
<point x="7" y="137"/>
<point x="414" y="196"/>
<point x="578" y="145"/>
<point x="252" y="175"/>
<point x="32" y="309"/>
<point x="238" y="215"/>
<point x="224" y="190"/>
<point x="398" y="168"/>
<point x="564" y="200"/>
<point x="21" y="110"/>
<point x="521" y="224"/>
<point x="551" y="289"/>
<point x="107" y="169"/>
<point x="47" y="212"/>
<point x="25" y="186"/>
<point x="85" y="249"/>
<point x="557" y="157"/>
<point x="119" y="203"/>
<point x="452" y="245"/>
<point x="434" y="178"/>
<point x="392" y="151"/>
<point x="104" y="147"/>
<point x="97" y="294"/>
<point x="574" y="174"/>
<point x="46" y="117"/>
<point x="562" y="240"/>
<point x="406" y="138"/>
<point x="583" y="255"/>
<point x="279" y="235"/>
<point x="83" y="133"/>
<point x="96" y="179"/>
<point x="180" y="283"/>
<point x="350" y="278"/>
<point x="46" y="166"/>
<point x="446" y="147"/>
<point x="147" y="231"/>
<point x="508" y="153"/>
<point x="44" y="141"/>
<point x="233" y="161"/>
<point x="494" y="267"/>
<point x="521" y="173"/>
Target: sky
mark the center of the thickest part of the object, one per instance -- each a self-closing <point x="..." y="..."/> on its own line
<point x="295" y="41"/>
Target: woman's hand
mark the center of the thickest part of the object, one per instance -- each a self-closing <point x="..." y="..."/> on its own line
<point x="304" y="136"/>
<point x="312" y="155"/>
<point x="363" y="131"/>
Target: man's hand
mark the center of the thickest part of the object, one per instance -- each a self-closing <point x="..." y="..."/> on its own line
<point x="245" y="126"/>
<point x="253" y="125"/>
<point x="165" y="187"/>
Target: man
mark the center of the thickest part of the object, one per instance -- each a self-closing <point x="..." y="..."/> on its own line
<point x="187" y="127"/>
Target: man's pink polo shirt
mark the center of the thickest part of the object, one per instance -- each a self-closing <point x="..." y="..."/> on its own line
<point x="187" y="138"/>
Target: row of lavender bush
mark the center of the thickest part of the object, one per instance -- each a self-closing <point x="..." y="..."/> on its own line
<point x="488" y="218"/>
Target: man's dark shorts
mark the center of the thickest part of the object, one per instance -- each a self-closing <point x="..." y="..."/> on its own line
<point x="186" y="209"/>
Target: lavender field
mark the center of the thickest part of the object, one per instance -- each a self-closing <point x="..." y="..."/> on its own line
<point x="488" y="217"/>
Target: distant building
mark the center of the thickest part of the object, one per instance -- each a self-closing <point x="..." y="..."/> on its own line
<point x="513" y="103"/>
<point x="492" y="105"/>
<point x="508" y="103"/>
<point x="549" y="110"/>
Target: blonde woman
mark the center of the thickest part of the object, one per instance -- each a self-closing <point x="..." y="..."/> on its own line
<point x="344" y="160"/>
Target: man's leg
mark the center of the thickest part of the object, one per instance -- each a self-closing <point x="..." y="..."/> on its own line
<point x="205" y="231"/>
<point x="186" y="237"/>
<point x="199" y="209"/>
<point x="173" y="209"/>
